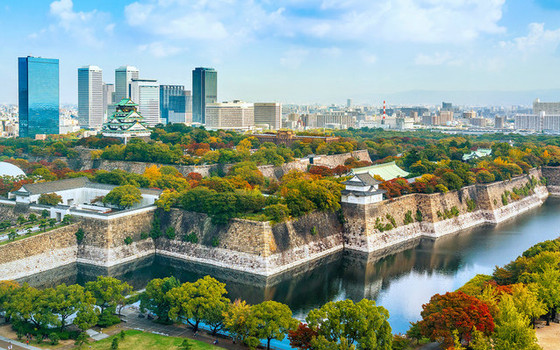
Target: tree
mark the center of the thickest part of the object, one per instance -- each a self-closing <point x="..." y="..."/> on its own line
<point x="363" y="325"/>
<point x="454" y="311"/>
<point x="271" y="320"/>
<point x="50" y="199"/>
<point x="546" y="285"/>
<point x="108" y="292"/>
<point x="301" y="337"/>
<point x="512" y="328"/>
<point x="236" y="320"/>
<point x="123" y="196"/>
<point x="66" y="300"/>
<point x="87" y="317"/>
<point x="200" y="301"/>
<point x="153" y="298"/>
<point x="527" y="302"/>
<point x="185" y="345"/>
<point x="7" y="290"/>
<point x="115" y="344"/>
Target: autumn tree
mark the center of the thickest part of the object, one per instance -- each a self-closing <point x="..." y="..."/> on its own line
<point x="454" y="311"/>
<point x="50" y="199"/>
<point x="362" y="324"/>
<point x="200" y="301"/>
<point x="236" y="320"/>
<point x="512" y="328"/>
<point x="302" y="337"/>
<point x="546" y="285"/>
<point x="527" y="302"/>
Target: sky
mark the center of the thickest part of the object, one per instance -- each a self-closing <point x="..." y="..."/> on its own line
<point x="296" y="51"/>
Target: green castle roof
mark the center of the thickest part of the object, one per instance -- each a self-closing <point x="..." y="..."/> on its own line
<point x="126" y="102"/>
<point x="387" y="171"/>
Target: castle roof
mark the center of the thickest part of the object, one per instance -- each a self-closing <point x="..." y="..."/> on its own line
<point x="387" y="171"/>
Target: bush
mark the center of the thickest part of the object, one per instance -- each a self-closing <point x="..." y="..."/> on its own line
<point x="408" y="218"/>
<point x="504" y="199"/>
<point x="314" y="231"/>
<point x="191" y="238"/>
<point x="128" y="240"/>
<point x="419" y="215"/>
<point x="80" y="235"/>
<point x="170" y="233"/>
<point x="144" y="235"/>
<point x="55" y="339"/>
<point x="471" y="205"/>
<point x="391" y="220"/>
<point x="215" y="242"/>
<point x="277" y="212"/>
<point x="115" y="344"/>
<point x="50" y="199"/>
<point x="107" y="319"/>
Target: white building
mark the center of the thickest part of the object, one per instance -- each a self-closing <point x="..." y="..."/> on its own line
<point x="236" y="115"/>
<point x="268" y="115"/>
<point x="145" y="92"/>
<point x="90" y="97"/>
<point x="362" y="189"/>
<point x="108" y="99"/>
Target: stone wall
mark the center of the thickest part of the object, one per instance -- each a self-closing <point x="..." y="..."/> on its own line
<point x="38" y="253"/>
<point x="361" y="232"/>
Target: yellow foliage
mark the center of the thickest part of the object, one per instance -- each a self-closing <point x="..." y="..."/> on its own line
<point x="152" y="173"/>
<point x="96" y="154"/>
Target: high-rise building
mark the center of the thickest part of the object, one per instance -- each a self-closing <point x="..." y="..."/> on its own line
<point x="145" y="92"/>
<point x="204" y="90"/>
<point x="547" y="107"/>
<point x="269" y="114"/>
<point x="123" y="78"/>
<point x="173" y="103"/>
<point x="230" y="115"/>
<point x="469" y="114"/>
<point x="108" y="99"/>
<point x="349" y="103"/>
<point x="90" y="97"/>
<point x="447" y="106"/>
<point x="499" y="122"/>
<point x="38" y="96"/>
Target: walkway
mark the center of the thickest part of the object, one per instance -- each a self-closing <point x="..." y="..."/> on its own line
<point x="4" y="342"/>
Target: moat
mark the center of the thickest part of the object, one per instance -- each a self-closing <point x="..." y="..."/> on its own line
<point x="401" y="282"/>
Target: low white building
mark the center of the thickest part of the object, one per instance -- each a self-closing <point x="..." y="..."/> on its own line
<point x="362" y="189"/>
<point x="78" y="193"/>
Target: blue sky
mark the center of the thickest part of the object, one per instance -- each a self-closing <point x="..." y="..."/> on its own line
<point x="293" y="50"/>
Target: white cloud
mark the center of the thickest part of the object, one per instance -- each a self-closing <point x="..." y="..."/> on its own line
<point x="293" y="58"/>
<point x="437" y="59"/>
<point x="538" y="39"/>
<point x="160" y="50"/>
<point x="85" y="27"/>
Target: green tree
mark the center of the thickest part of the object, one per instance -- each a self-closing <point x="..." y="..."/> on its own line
<point x="87" y="317"/>
<point x="546" y="285"/>
<point x="527" y="302"/>
<point x="50" y="199"/>
<point x="236" y="320"/>
<point x="185" y="345"/>
<point x="123" y="196"/>
<point x="115" y="344"/>
<point x="153" y="298"/>
<point x="271" y="320"/>
<point x="512" y="328"/>
<point x="65" y="300"/>
<point x="108" y="292"/>
<point x="363" y="324"/>
<point x="200" y="301"/>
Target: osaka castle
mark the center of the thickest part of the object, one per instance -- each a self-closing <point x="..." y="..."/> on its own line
<point x="126" y="122"/>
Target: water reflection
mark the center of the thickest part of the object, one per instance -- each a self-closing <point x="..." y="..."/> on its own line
<point x="401" y="282"/>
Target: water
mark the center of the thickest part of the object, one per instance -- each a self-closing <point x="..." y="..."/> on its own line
<point x="400" y="282"/>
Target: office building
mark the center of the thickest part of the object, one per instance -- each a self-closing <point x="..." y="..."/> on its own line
<point x="123" y="78"/>
<point x="447" y="106"/>
<point x="90" y="97"/>
<point x="349" y="103"/>
<point x="173" y="101"/>
<point x="38" y="96"/>
<point x="145" y="92"/>
<point x="108" y="99"/>
<point x="204" y="92"/>
<point x="499" y="122"/>
<point x="235" y="115"/>
<point x="469" y="114"/>
<point x="547" y="107"/>
<point x="268" y="115"/>
<point x="532" y="122"/>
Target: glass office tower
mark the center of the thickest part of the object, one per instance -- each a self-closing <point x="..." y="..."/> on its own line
<point x="38" y="96"/>
<point x="173" y="104"/>
<point x="204" y="90"/>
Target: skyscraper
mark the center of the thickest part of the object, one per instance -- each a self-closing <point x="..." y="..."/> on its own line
<point x="108" y="99"/>
<point x="173" y="104"/>
<point x="90" y="97"/>
<point x="145" y="92"/>
<point x="123" y="78"/>
<point x="235" y="115"/>
<point x="38" y="96"/>
<point x="269" y="114"/>
<point x="205" y="91"/>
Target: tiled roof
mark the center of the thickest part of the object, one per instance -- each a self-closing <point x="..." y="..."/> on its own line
<point x="78" y="182"/>
<point x="387" y="171"/>
<point x="364" y="179"/>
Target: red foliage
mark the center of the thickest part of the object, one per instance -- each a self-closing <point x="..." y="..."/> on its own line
<point x="301" y="337"/>
<point x="454" y="311"/>
<point x="320" y="170"/>
<point x="194" y="176"/>
<point x="396" y="187"/>
<point x="340" y="170"/>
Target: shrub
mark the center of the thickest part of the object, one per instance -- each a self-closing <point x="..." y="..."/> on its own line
<point x="391" y="220"/>
<point x="170" y="232"/>
<point x="504" y="199"/>
<point x="50" y="199"/>
<point x="115" y="344"/>
<point x="277" y="212"/>
<point x="191" y="238"/>
<point x="80" y="235"/>
<point x="314" y="230"/>
<point x="144" y="235"/>
<point x="55" y="339"/>
<point x="215" y="242"/>
<point x="471" y="205"/>
<point x="107" y="319"/>
<point x="128" y="240"/>
<point x="408" y="218"/>
<point x="419" y="217"/>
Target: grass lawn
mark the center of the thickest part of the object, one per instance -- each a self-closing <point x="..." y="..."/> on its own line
<point x="142" y="340"/>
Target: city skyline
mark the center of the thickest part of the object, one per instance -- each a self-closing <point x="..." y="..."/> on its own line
<point x="318" y="52"/>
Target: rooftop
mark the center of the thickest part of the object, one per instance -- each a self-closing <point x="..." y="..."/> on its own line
<point x="387" y="171"/>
